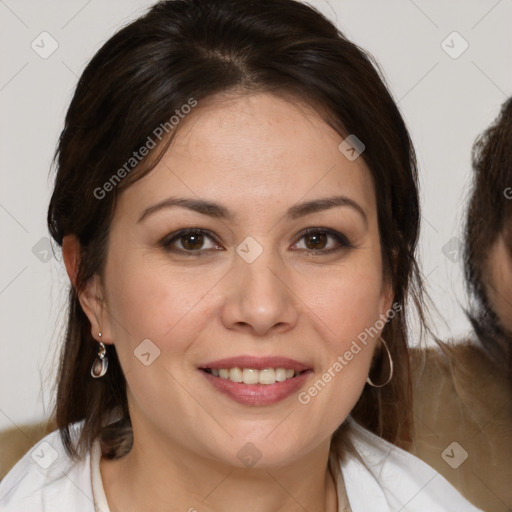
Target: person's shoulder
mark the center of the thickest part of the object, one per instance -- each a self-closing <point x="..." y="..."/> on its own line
<point x="457" y="383"/>
<point x="18" y="440"/>
<point x="445" y="356"/>
<point x="386" y="478"/>
<point x="46" y="478"/>
<point x="462" y="406"/>
<point x="445" y="374"/>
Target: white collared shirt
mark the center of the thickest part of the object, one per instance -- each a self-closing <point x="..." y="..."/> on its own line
<point x="388" y="480"/>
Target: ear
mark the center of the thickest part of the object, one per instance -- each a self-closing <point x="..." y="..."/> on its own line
<point x="91" y="297"/>
<point x="387" y="292"/>
<point x="387" y="297"/>
<point x="70" y="254"/>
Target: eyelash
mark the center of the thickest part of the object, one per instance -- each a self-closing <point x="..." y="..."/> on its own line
<point x="341" y="239"/>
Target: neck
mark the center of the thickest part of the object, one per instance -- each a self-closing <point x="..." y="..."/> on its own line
<point x="177" y="478"/>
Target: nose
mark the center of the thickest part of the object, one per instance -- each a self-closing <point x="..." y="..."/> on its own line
<point x="260" y="299"/>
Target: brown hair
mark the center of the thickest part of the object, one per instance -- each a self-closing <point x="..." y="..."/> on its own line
<point x="186" y="49"/>
<point x="489" y="216"/>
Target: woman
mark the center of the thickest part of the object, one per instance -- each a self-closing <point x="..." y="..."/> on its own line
<point x="237" y="206"/>
<point x="464" y="391"/>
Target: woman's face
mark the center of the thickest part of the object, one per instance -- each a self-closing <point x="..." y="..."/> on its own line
<point x="250" y="285"/>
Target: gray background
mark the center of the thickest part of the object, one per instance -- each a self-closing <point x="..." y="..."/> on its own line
<point x="446" y="102"/>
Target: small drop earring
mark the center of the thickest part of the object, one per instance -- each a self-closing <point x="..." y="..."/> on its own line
<point x="100" y="364"/>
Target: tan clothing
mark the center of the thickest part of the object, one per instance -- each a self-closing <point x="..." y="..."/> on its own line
<point x="463" y="421"/>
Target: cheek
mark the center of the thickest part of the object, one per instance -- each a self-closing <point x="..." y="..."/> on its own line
<point x="156" y="313"/>
<point x="354" y="319"/>
<point x="149" y="300"/>
<point x="145" y="304"/>
<point x="348" y="301"/>
<point x="499" y="282"/>
<point x="347" y="311"/>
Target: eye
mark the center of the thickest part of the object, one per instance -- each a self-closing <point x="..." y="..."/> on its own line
<point x="197" y="241"/>
<point x="190" y="240"/>
<point x="316" y="241"/>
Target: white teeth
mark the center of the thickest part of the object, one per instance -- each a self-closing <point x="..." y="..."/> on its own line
<point x="235" y="374"/>
<point x="250" y="376"/>
<point x="267" y="376"/>
<point x="253" y="376"/>
<point x="280" y="375"/>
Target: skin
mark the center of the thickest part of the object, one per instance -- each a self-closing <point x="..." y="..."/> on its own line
<point x="499" y="279"/>
<point x="257" y="155"/>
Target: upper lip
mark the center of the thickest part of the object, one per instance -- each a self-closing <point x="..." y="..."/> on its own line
<point x="257" y="363"/>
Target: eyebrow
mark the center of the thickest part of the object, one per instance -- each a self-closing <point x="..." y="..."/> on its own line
<point x="218" y="211"/>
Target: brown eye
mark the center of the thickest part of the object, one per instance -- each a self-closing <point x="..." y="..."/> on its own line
<point x="318" y="241"/>
<point x="191" y="242"/>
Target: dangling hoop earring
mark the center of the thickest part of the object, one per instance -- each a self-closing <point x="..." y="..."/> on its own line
<point x="100" y="364"/>
<point x="369" y="381"/>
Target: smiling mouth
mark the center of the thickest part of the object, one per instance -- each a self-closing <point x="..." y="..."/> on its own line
<point x="266" y="376"/>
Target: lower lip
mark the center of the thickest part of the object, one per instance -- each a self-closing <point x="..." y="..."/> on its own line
<point x="258" y="394"/>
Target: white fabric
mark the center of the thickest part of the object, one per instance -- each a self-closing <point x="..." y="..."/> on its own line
<point x="390" y="480"/>
<point x="98" y="492"/>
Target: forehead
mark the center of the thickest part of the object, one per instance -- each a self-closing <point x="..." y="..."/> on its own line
<point x="252" y="152"/>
